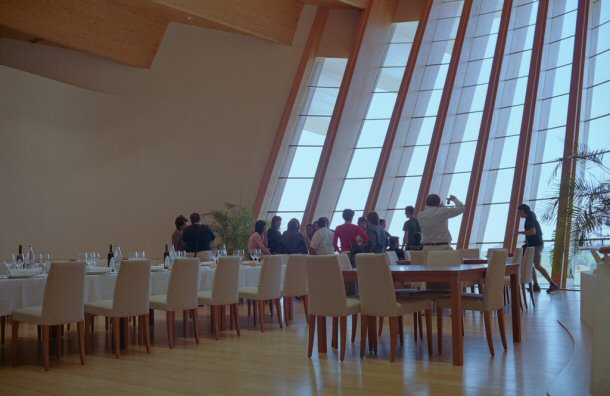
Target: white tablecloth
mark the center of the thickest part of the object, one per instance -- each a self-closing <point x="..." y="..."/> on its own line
<point x="20" y="293"/>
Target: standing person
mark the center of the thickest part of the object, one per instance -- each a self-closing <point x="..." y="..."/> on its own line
<point x="410" y="228"/>
<point x="292" y="241"/>
<point x="274" y="234"/>
<point x="258" y="240"/>
<point x="375" y="233"/>
<point x="533" y="238"/>
<point x="198" y="238"/>
<point x="181" y="223"/>
<point x="382" y="224"/>
<point x="348" y="234"/>
<point x="322" y="240"/>
<point x="434" y="222"/>
<point x="309" y="231"/>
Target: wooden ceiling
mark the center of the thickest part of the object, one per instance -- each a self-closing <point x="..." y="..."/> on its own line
<point x="130" y="32"/>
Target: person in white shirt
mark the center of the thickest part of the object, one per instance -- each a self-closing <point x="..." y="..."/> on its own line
<point x="322" y="240"/>
<point x="434" y="221"/>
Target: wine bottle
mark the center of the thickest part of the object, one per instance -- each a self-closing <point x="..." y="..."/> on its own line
<point x="19" y="259"/>
<point x="166" y="258"/>
<point x="110" y="255"/>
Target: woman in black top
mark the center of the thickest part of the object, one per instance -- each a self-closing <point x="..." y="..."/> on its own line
<point x="533" y="238"/>
<point x="273" y="234"/>
<point x="292" y="241"/>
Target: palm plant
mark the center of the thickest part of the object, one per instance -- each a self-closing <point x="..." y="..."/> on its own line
<point x="589" y="212"/>
<point x="234" y="224"/>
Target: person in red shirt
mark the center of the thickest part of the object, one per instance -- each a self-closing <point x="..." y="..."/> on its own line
<point x="347" y="233"/>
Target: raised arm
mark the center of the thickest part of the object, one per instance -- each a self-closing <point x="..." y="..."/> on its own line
<point x="457" y="210"/>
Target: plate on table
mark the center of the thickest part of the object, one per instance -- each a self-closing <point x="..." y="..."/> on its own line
<point x="97" y="270"/>
<point x="24" y="273"/>
<point x="207" y="263"/>
<point x="156" y="268"/>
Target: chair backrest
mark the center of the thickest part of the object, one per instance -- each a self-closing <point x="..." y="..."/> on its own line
<point x="295" y="276"/>
<point x="269" y="282"/>
<point x="183" y="284"/>
<point x="344" y="262"/>
<point x="391" y="257"/>
<point x="518" y="256"/>
<point x="225" y="288"/>
<point x="64" y="294"/>
<point x="132" y="288"/>
<point x="325" y="285"/>
<point x="527" y="265"/>
<point x="493" y="295"/>
<point x="419" y="257"/>
<point x="491" y="250"/>
<point x="377" y="293"/>
<point x="443" y="257"/>
<point x="284" y="258"/>
<point x="470" y="253"/>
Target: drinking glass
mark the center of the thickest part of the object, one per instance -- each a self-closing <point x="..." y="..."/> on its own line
<point x="258" y="254"/>
<point x="215" y="255"/>
<point x="253" y="255"/>
<point x="9" y="261"/>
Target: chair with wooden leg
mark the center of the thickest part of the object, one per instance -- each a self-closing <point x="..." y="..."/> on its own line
<point x="181" y="296"/>
<point x="378" y="299"/>
<point x="327" y="298"/>
<point x="224" y="292"/>
<point x="517" y="258"/>
<point x="268" y="289"/>
<point x="64" y="297"/>
<point x="295" y="284"/>
<point x="473" y="253"/>
<point x="131" y="294"/>
<point x="526" y="275"/>
<point x="490" y="300"/>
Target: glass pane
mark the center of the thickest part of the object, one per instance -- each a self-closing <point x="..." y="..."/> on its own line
<point x="397" y="54"/>
<point x="303" y="158"/>
<point x="354" y="194"/>
<point x="418" y="160"/>
<point x="465" y="157"/>
<point x="459" y="186"/>
<point x="554" y="144"/>
<point x="381" y="106"/>
<point x="496" y="223"/>
<point x="600" y="100"/>
<point x="295" y="195"/>
<point x="313" y="130"/>
<point x="364" y="163"/>
<point x="389" y="79"/>
<point x="373" y="133"/>
<point x="425" y="127"/>
<point x="331" y="73"/>
<point x="322" y="101"/>
<point x="408" y="192"/>
<point x="504" y="185"/>
<point x="509" y="151"/>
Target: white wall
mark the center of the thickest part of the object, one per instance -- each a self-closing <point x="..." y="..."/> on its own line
<point x="93" y="152"/>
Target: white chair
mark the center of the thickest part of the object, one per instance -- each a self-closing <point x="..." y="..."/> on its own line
<point x="391" y="257"/>
<point x="526" y="275"/>
<point x="419" y="257"/>
<point x="517" y="258"/>
<point x="269" y="285"/>
<point x="378" y="299"/>
<point x="224" y="292"/>
<point x="181" y="296"/>
<point x="351" y="289"/>
<point x="327" y="298"/>
<point x="295" y="284"/>
<point x="443" y="258"/>
<point x="470" y="253"/>
<point x="64" y="296"/>
<point x="490" y="300"/>
<point x="131" y="293"/>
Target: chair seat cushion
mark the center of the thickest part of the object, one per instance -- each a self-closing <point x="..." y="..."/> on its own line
<point x="159" y="302"/>
<point x="293" y="293"/>
<point x="28" y="315"/>
<point x="353" y="306"/>
<point x="410" y="305"/>
<point x="470" y="302"/>
<point x="100" y="307"/>
<point x="250" y="293"/>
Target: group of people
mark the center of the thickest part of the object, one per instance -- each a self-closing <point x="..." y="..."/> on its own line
<point x="428" y="231"/>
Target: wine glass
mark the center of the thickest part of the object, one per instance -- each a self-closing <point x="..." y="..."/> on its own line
<point x="253" y="254"/>
<point x="215" y="255"/>
<point x="258" y="254"/>
<point x="9" y="261"/>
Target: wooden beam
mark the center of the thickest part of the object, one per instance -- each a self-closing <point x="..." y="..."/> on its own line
<point x="568" y="169"/>
<point x="360" y="4"/>
<point x="98" y="27"/>
<point x="443" y="109"/>
<point x="274" y="20"/>
<point x="485" y="130"/>
<point x="388" y="143"/>
<point x="308" y="57"/>
<point x="527" y="126"/>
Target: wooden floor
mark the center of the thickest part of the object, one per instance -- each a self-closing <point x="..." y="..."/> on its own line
<point x="275" y="362"/>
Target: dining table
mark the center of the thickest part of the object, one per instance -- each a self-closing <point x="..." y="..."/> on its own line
<point x="25" y="292"/>
<point x="454" y="275"/>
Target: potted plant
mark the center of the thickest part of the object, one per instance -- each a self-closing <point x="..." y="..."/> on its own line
<point x="233" y="225"/>
<point x="590" y="209"/>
